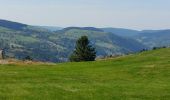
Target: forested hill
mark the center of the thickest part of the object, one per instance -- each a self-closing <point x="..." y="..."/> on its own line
<point x="21" y="40"/>
<point x="12" y="25"/>
<point x="150" y="38"/>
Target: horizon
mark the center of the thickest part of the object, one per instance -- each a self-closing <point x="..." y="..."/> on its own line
<point x="130" y="14"/>
<point x="87" y="26"/>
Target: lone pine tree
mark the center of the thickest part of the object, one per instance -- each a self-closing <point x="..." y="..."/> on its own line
<point x="83" y="51"/>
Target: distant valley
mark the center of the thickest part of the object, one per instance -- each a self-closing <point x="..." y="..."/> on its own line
<point x="55" y="44"/>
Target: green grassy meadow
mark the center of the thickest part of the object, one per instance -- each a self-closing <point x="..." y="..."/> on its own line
<point x="142" y="76"/>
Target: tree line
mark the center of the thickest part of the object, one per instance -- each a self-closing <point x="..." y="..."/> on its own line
<point x="84" y="51"/>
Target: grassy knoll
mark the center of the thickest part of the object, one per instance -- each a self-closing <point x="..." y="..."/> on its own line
<point x="143" y="76"/>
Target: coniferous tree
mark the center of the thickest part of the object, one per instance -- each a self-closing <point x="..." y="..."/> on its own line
<point x="28" y="58"/>
<point x="3" y="54"/>
<point x="83" y="51"/>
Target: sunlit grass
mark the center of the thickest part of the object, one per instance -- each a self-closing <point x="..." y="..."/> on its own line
<point x="143" y="76"/>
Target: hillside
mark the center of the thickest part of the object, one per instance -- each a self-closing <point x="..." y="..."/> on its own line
<point x="154" y="38"/>
<point x="142" y="76"/>
<point x="21" y="40"/>
<point x="122" y="32"/>
<point x="105" y="43"/>
<point x="149" y="38"/>
<point x="45" y="43"/>
<point x="12" y="25"/>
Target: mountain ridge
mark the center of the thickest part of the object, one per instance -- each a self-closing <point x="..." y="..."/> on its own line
<point x="55" y="46"/>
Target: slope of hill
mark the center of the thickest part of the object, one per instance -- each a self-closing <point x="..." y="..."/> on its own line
<point x="82" y="28"/>
<point x="44" y="45"/>
<point x="12" y="25"/>
<point x="105" y="43"/>
<point x="150" y="38"/>
<point x="154" y="38"/>
<point x="51" y="28"/>
<point x="143" y="76"/>
<point x="122" y="32"/>
<point x="28" y="41"/>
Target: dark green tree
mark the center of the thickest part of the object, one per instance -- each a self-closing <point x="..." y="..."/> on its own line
<point x="28" y="58"/>
<point x="83" y="51"/>
<point x="3" y="54"/>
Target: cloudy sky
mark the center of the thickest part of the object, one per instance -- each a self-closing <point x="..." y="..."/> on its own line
<point x="133" y="14"/>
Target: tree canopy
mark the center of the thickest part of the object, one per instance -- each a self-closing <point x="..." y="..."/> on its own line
<point x="83" y="51"/>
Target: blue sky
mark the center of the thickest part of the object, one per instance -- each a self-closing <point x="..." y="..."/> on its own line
<point x="133" y="14"/>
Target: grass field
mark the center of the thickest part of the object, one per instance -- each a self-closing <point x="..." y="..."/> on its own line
<point x="143" y="76"/>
